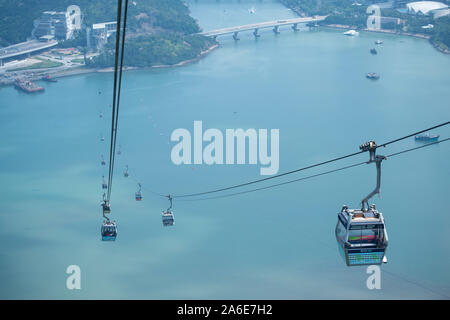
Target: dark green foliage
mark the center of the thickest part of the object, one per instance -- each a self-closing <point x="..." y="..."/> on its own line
<point x="343" y="12"/>
<point x="161" y="30"/>
<point x="441" y="32"/>
<point x="17" y="16"/>
<point x="147" y="51"/>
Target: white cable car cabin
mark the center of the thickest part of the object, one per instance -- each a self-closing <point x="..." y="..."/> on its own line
<point x="138" y="196"/>
<point x="109" y="231"/>
<point x="104" y="185"/>
<point x="361" y="236"/>
<point x="167" y="218"/>
<point x="361" y="233"/>
<point x="106" y="207"/>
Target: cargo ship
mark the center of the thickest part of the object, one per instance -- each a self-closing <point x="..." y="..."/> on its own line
<point x="427" y="137"/>
<point x="27" y="86"/>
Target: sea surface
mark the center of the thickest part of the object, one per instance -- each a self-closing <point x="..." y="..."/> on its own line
<point x="277" y="243"/>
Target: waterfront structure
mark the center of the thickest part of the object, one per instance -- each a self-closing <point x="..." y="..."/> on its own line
<point x="24" y="49"/>
<point x="426" y="7"/>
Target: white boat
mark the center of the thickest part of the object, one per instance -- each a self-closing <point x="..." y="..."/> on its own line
<point x="351" y="33"/>
<point x="252" y="10"/>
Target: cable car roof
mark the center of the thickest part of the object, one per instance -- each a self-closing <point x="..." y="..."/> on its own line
<point x="358" y="216"/>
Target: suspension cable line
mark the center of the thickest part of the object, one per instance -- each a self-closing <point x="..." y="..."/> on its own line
<point x="313" y="176"/>
<point x="307" y="167"/>
<point x="117" y="88"/>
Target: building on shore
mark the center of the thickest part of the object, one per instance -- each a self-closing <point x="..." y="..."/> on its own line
<point x="60" y="25"/>
<point x="428" y="8"/>
<point x="23" y="50"/>
<point x="100" y="33"/>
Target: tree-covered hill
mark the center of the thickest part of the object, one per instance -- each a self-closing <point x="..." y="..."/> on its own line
<point x="17" y="16"/>
<point x="158" y="31"/>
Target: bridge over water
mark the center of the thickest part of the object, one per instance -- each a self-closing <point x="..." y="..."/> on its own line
<point x="268" y="24"/>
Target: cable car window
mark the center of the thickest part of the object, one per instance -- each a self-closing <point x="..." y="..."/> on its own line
<point x="369" y="234"/>
<point x="340" y="230"/>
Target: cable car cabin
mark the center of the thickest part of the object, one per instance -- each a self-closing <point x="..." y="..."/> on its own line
<point x="104" y="186"/>
<point x="109" y="231"/>
<point x="125" y="174"/>
<point x="106" y="207"/>
<point x="138" y="196"/>
<point x="103" y="162"/>
<point x="167" y="218"/>
<point x="361" y="236"/>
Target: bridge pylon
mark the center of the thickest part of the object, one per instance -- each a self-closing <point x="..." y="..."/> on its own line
<point x="295" y="27"/>
<point x="276" y="29"/>
<point x="236" y="36"/>
<point x="256" y="34"/>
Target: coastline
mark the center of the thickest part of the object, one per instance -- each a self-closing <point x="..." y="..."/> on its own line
<point x="408" y="34"/>
<point x="405" y="34"/>
<point x="437" y="46"/>
<point x="83" y="70"/>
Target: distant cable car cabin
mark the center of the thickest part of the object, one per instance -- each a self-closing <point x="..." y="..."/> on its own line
<point x="125" y="174"/>
<point x="109" y="230"/>
<point x="103" y="161"/>
<point x="167" y="216"/>
<point x="104" y="185"/>
<point x="106" y="207"/>
<point x="361" y="233"/>
<point x="138" y="193"/>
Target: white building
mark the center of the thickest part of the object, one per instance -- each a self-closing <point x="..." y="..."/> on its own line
<point x="102" y="31"/>
<point x="425" y="7"/>
<point x="61" y="25"/>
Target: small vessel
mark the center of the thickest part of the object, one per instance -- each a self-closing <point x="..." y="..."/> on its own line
<point x="252" y="10"/>
<point x="378" y="42"/>
<point x="373" y="51"/>
<point x="351" y="33"/>
<point x="427" y="137"/>
<point x="372" y="76"/>
<point x="27" y="86"/>
<point x="48" y="78"/>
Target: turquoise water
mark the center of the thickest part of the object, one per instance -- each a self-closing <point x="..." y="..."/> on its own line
<point x="277" y="243"/>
